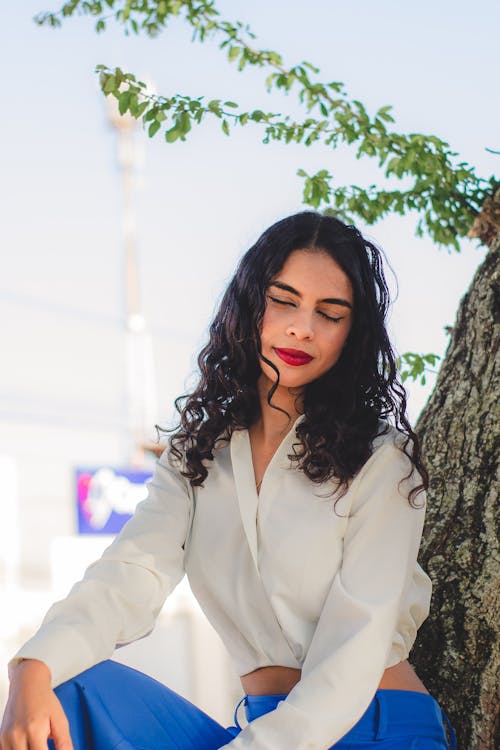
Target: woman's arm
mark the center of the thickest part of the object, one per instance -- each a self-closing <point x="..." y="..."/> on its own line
<point x="121" y="594"/>
<point x="359" y="618"/>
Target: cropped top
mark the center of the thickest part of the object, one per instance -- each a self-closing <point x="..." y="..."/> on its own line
<point x="285" y="578"/>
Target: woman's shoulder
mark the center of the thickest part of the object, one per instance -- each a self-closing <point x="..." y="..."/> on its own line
<point x="175" y="460"/>
<point x="391" y="449"/>
<point x="387" y="434"/>
<point x="390" y="459"/>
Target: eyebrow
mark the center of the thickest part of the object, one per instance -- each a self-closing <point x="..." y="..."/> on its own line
<point x="328" y="300"/>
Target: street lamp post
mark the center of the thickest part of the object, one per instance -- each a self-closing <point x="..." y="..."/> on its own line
<point x="141" y="391"/>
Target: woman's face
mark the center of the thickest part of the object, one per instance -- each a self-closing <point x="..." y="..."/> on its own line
<point x="307" y="318"/>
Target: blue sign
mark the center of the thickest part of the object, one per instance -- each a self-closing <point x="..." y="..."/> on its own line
<point x="107" y="497"/>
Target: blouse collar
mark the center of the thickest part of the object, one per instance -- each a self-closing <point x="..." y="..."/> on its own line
<point x="248" y="499"/>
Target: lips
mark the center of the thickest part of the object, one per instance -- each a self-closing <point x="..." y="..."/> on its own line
<point x="294" y="357"/>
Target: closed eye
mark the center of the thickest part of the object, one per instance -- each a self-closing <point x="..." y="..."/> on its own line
<point x="292" y="304"/>
<point x="329" y="317"/>
<point x="281" y="301"/>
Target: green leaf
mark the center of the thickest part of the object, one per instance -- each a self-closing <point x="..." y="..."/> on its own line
<point x="134" y="105"/>
<point x="384" y="111"/>
<point x="225" y="127"/>
<point x="183" y="123"/>
<point x="270" y="80"/>
<point x="214" y="106"/>
<point x="231" y="104"/>
<point x="154" y="128"/>
<point x="123" y="102"/>
<point x="110" y="84"/>
<point x="431" y="358"/>
<point x="310" y="66"/>
<point x="150" y="114"/>
<point x="172" y="135"/>
<point x="257" y="115"/>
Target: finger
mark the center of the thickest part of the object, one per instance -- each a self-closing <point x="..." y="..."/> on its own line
<point x="14" y="740"/>
<point x="60" y="734"/>
<point x="37" y="740"/>
<point x="62" y="742"/>
<point x="5" y="743"/>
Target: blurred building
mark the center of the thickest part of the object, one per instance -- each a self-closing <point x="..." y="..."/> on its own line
<point x="78" y="389"/>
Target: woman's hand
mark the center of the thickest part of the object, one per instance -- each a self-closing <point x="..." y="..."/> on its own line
<point x="33" y="713"/>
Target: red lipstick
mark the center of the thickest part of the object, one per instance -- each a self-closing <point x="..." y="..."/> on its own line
<point x="293" y="357"/>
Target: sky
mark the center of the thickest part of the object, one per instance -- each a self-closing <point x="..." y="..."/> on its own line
<point x="202" y="203"/>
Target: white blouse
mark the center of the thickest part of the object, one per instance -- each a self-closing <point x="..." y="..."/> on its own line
<point x="283" y="578"/>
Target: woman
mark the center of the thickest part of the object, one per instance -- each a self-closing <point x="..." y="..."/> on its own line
<point x="296" y="510"/>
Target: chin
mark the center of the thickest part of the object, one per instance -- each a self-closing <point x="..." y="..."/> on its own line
<point x="288" y="379"/>
<point x="291" y="385"/>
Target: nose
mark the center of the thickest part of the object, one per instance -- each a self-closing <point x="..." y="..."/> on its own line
<point x="301" y="326"/>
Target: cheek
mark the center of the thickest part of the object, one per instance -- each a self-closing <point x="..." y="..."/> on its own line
<point x="268" y="325"/>
<point x="334" y="345"/>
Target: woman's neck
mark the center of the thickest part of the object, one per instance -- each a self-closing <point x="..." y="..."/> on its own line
<point x="273" y="424"/>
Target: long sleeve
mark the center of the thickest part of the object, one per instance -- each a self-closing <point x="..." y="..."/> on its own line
<point x="120" y="595"/>
<point x="350" y="646"/>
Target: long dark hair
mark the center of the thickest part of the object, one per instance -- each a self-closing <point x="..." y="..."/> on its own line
<point x="341" y="408"/>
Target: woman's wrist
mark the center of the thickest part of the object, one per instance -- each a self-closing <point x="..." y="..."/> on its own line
<point x="32" y="667"/>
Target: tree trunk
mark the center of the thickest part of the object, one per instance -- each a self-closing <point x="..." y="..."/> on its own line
<point x="456" y="653"/>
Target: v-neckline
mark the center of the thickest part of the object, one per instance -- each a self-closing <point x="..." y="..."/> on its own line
<point x="244" y="476"/>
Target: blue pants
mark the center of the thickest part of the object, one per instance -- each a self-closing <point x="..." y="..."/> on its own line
<point x="113" y="707"/>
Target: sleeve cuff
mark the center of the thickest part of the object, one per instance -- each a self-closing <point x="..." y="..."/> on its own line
<point x="64" y="653"/>
<point x="13" y="663"/>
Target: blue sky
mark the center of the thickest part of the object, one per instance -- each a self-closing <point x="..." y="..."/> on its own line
<point x="200" y="204"/>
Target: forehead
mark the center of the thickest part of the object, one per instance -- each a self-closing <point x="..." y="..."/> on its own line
<point x="314" y="272"/>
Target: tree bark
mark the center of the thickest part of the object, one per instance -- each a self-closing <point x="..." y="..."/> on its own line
<point x="457" y="653"/>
